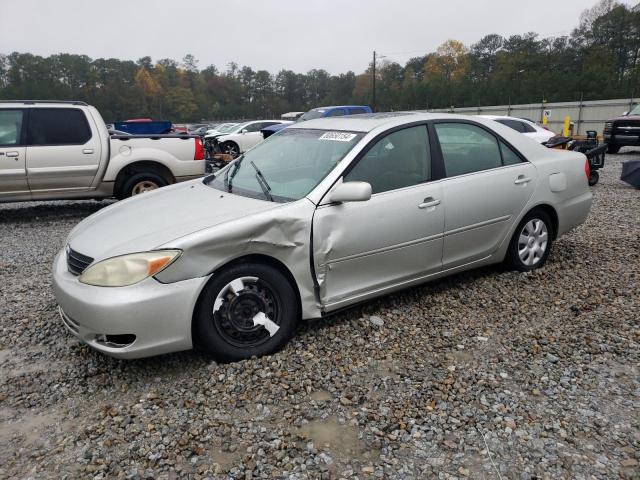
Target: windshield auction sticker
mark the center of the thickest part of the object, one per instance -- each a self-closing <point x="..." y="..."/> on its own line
<point x="338" y="136"/>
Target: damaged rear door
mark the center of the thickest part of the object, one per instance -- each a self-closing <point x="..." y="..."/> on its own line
<point x="361" y="248"/>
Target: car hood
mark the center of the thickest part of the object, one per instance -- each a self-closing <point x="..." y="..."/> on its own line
<point x="635" y="118"/>
<point x="152" y="219"/>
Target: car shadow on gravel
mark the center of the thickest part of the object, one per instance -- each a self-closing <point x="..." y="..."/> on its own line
<point x="27" y="212"/>
<point x="405" y="297"/>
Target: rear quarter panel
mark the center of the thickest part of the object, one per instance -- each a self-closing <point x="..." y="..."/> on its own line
<point x="174" y="153"/>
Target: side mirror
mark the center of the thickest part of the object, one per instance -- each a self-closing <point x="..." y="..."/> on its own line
<point x="351" y="192"/>
<point x="244" y="130"/>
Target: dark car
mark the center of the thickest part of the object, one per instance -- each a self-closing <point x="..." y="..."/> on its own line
<point x="623" y="131"/>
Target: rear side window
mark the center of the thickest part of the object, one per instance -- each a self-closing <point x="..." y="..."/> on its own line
<point x="509" y="157"/>
<point x="10" y="127"/>
<point x="467" y="148"/>
<point x="57" y="126"/>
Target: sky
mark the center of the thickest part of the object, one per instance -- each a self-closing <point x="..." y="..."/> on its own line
<point x="299" y="35"/>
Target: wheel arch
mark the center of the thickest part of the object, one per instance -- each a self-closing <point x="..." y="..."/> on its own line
<point x="251" y="258"/>
<point x="553" y="215"/>
<point x="141" y="166"/>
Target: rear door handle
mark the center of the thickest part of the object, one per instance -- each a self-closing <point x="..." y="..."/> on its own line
<point x="87" y="151"/>
<point x="12" y="154"/>
<point x="429" y="202"/>
<point x="522" y="179"/>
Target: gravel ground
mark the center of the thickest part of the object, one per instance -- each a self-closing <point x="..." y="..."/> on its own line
<point x="489" y="374"/>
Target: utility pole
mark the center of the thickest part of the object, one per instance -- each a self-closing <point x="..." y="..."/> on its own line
<point x="373" y="83"/>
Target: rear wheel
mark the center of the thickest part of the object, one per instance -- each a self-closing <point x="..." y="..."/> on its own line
<point x="246" y="310"/>
<point x="141" y="183"/>
<point x="613" y="148"/>
<point x="531" y="242"/>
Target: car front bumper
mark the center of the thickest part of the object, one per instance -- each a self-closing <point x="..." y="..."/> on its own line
<point x="158" y="314"/>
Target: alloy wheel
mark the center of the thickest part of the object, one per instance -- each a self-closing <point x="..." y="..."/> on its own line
<point x="143" y="186"/>
<point x="533" y="242"/>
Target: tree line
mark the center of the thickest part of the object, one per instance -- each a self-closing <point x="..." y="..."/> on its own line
<point x="599" y="59"/>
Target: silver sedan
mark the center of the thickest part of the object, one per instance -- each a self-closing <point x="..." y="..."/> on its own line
<point x="323" y="215"/>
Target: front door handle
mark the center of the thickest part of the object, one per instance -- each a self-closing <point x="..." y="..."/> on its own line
<point x="521" y="180"/>
<point x="429" y="202"/>
<point x="87" y="151"/>
<point x="12" y="154"/>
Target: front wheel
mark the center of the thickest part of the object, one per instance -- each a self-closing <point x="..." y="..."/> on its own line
<point x="613" y="149"/>
<point x="245" y="310"/>
<point x="531" y="242"/>
<point x="230" y="148"/>
<point x="594" y="177"/>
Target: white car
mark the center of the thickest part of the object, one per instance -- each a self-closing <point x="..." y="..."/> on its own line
<point x="222" y="128"/>
<point x="244" y="136"/>
<point x="526" y="127"/>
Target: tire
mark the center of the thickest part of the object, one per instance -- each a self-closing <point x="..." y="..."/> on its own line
<point x="613" y="149"/>
<point x="230" y="148"/>
<point x="224" y="319"/>
<point x="594" y="178"/>
<point x="141" y="182"/>
<point x="534" y="253"/>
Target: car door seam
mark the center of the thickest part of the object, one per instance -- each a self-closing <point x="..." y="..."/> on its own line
<point x="396" y="246"/>
<point x="477" y="225"/>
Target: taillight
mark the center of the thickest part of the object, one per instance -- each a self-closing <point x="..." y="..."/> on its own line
<point x="587" y="169"/>
<point x="199" y="155"/>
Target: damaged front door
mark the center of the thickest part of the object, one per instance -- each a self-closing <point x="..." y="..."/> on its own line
<point x="361" y="248"/>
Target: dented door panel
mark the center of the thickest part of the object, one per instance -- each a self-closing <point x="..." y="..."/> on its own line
<point x="360" y="247"/>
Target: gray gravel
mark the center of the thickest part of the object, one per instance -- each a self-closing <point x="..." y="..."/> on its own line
<point x="489" y="374"/>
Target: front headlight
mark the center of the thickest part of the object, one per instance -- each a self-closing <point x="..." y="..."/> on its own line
<point x="128" y="269"/>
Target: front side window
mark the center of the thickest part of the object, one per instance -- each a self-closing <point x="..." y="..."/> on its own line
<point x="254" y="127"/>
<point x="400" y="159"/>
<point x="286" y="166"/>
<point x="57" y="126"/>
<point x="467" y="148"/>
<point x="10" y="127"/>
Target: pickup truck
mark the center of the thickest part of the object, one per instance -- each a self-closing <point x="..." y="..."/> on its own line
<point x="62" y="150"/>
<point x="623" y="131"/>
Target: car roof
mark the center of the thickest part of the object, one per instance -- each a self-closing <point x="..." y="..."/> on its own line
<point x="366" y="122"/>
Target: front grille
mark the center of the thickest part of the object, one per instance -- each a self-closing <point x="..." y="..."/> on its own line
<point x="76" y="262"/>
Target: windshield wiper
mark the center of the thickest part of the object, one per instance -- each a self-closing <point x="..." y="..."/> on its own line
<point x="228" y="179"/>
<point x="262" y="182"/>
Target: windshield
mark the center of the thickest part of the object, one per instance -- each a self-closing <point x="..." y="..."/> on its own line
<point x="311" y="114"/>
<point x="635" y="111"/>
<point x="227" y="127"/>
<point x="286" y="166"/>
